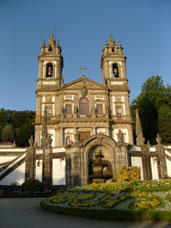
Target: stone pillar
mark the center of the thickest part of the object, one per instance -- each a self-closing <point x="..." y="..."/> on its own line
<point x="146" y="161"/>
<point x="73" y="167"/>
<point x="30" y="161"/>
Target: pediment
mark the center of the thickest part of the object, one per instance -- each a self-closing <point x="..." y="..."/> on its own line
<point x="84" y="83"/>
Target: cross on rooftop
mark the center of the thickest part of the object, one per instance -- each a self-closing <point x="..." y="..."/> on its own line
<point x="83" y="68"/>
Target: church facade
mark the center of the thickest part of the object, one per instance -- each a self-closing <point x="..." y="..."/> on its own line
<point x="82" y="123"/>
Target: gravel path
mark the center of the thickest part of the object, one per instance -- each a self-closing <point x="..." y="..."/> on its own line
<point x="26" y="213"/>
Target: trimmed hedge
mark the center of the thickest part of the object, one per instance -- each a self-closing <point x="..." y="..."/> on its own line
<point x="109" y="214"/>
<point x="32" y="186"/>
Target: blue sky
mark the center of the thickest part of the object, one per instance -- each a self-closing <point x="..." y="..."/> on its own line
<point x="143" y="26"/>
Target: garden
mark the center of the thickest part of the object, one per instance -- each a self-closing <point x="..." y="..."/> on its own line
<point x="122" y="200"/>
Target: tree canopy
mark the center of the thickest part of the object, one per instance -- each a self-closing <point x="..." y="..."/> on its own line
<point x="16" y="125"/>
<point x="154" y="105"/>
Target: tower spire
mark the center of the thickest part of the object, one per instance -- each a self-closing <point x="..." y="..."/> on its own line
<point x="111" y="41"/>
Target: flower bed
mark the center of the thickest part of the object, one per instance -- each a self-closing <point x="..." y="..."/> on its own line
<point x="130" y="201"/>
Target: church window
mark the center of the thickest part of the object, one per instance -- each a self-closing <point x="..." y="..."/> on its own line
<point x="115" y="70"/>
<point x="48" y="111"/>
<point x="68" y="109"/>
<point x="113" y="49"/>
<point x="49" y="70"/>
<point x="84" y="106"/>
<point x="118" y="110"/>
<point x="50" y="48"/>
<point x="99" y="109"/>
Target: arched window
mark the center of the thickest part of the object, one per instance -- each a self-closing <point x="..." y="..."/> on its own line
<point x="115" y="70"/>
<point x="50" y="48"/>
<point x="113" y="49"/>
<point x="84" y="106"/>
<point x="49" y="70"/>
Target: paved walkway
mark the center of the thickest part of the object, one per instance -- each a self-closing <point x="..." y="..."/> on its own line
<point x="26" y="213"/>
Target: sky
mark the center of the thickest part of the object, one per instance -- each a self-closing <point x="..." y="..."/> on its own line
<point x="142" y="26"/>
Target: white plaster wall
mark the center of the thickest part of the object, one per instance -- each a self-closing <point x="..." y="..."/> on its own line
<point x="137" y="161"/>
<point x="7" y="159"/>
<point x="69" y="97"/>
<point x="53" y="106"/>
<point x="49" y="83"/>
<point x="59" y="172"/>
<point x="39" y="170"/>
<point x="13" y="150"/>
<point x="17" y="176"/>
<point x="168" y="164"/>
<point x="155" y="174"/>
<point x="98" y="97"/>
<point x="52" y="133"/>
<point x="124" y="112"/>
<point x="113" y="99"/>
<point x="135" y="148"/>
<point x="58" y="150"/>
<point x="39" y="151"/>
<point x="116" y="83"/>
<point x="124" y="131"/>
<point x="100" y="130"/>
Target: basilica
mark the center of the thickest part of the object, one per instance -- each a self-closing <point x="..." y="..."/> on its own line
<point x="83" y="129"/>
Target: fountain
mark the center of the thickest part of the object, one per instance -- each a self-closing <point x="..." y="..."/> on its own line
<point x="98" y="166"/>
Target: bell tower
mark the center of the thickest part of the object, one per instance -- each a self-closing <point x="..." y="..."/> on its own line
<point x="49" y="83"/>
<point x="113" y="64"/>
<point x="50" y="65"/>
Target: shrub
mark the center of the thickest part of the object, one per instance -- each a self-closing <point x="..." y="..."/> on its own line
<point x="128" y="174"/>
<point x="1" y="192"/>
<point x="32" y="186"/>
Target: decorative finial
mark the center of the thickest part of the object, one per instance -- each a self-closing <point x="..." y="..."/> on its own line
<point x="105" y="43"/>
<point x="158" y="139"/>
<point x="57" y="43"/>
<point x="111" y="41"/>
<point x="44" y="43"/>
<point x="120" y="44"/>
<point x="51" y="37"/>
<point x="110" y="37"/>
<point x="83" y="68"/>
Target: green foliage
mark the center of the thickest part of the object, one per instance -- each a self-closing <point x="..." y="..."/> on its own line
<point x="128" y="174"/>
<point x="21" y="122"/>
<point x="23" y="134"/>
<point x="7" y="133"/>
<point x="32" y="186"/>
<point x="154" y="104"/>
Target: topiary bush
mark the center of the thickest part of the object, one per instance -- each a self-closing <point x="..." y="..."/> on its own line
<point x="32" y="186"/>
<point x="128" y="174"/>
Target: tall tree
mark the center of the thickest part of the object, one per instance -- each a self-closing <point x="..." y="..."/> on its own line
<point x="21" y="122"/>
<point x="7" y="133"/>
<point x="154" y="104"/>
